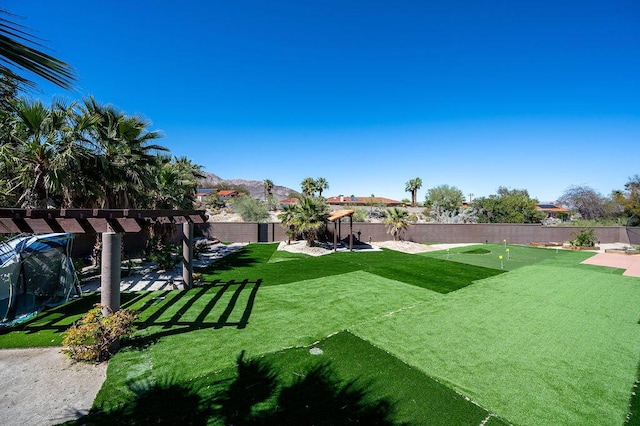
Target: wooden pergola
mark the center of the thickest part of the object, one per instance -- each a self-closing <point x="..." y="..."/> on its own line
<point x="111" y="223"/>
<point x="335" y="217"/>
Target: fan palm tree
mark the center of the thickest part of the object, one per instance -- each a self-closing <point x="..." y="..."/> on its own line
<point x="288" y="220"/>
<point x="42" y="152"/>
<point x="308" y="186"/>
<point x="19" y="49"/>
<point x="397" y="220"/>
<point x="412" y="186"/>
<point x="268" y="187"/>
<point x="126" y="160"/>
<point x="311" y="215"/>
<point x="176" y="183"/>
<point x="321" y="185"/>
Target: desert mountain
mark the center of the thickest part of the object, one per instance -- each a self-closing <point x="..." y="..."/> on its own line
<point x="255" y="187"/>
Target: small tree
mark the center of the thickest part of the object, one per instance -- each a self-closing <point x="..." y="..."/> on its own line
<point x="250" y="209"/>
<point x="397" y="220"/>
<point x="288" y="220"/>
<point x="447" y="198"/>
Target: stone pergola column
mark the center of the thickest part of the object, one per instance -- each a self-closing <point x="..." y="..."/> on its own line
<point x="110" y="273"/>
<point x="187" y="254"/>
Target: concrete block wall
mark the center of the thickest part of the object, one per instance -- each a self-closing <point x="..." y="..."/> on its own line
<point x="429" y="232"/>
<point x="442" y="233"/>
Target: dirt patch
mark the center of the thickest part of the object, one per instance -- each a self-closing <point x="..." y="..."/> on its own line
<point x="42" y="386"/>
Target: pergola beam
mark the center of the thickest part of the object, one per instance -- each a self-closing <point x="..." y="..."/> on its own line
<point x="111" y="223"/>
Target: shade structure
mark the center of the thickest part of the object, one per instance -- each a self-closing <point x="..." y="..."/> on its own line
<point x="335" y="217"/>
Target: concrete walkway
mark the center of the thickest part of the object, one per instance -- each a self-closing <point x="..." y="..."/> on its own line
<point x="615" y="260"/>
<point x="148" y="278"/>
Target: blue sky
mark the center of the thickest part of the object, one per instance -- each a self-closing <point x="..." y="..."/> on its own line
<point x="539" y="95"/>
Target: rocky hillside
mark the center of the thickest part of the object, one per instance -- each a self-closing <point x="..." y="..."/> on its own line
<point x="255" y="187"/>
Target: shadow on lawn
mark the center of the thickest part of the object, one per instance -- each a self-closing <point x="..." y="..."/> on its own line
<point x="255" y="397"/>
<point x="239" y="259"/>
<point x="60" y="318"/>
<point x="176" y="324"/>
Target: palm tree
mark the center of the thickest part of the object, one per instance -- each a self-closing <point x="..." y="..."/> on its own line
<point x="268" y="187"/>
<point x="321" y="185"/>
<point x="22" y="56"/>
<point x="176" y="184"/>
<point x="397" y="220"/>
<point x="311" y="214"/>
<point x="412" y="186"/>
<point x="308" y="186"/>
<point x="288" y="220"/>
<point x="42" y="153"/>
<point x="126" y="163"/>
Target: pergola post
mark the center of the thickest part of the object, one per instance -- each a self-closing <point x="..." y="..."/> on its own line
<point x="187" y="254"/>
<point x="335" y="236"/>
<point x="350" y="232"/>
<point x="110" y="273"/>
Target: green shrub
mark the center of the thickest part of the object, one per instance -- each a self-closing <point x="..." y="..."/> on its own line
<point x="164" y="255"/>
<point x="94" y="338"/>
<point x="250" y="209"/>
<point x="360" y="214"/>
<point x="585" y="238"/>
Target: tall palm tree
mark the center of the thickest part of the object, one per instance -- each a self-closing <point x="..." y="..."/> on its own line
<point x="176" y="183"/>
<point x="43" y="153"/>
<point x="20" y="49"/>
<point x="311" y="215"/>
<point x="308" y="186"/>
<point x="268" y="187"/>
<point x="412" y="186"/>
<point x="321" y="185"/>
<point x="125" y="158"/>
<point x="397" y="220"/>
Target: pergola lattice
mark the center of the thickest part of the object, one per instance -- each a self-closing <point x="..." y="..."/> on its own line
<point x="111" y="223"/>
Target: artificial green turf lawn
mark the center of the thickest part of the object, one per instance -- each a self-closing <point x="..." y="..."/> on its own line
<point x="262" y="262"/>
<point x="551" y="343"/>
<point x="47" y="328"/>
<point x="518" y="256"/>
<point x="418" y="399"/>
<point x="540" y="345"/>
<point x="186" y="344"/>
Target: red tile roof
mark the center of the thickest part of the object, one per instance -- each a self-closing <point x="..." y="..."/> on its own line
<point x="289" y="201"/>
<point x="346" y="200"/>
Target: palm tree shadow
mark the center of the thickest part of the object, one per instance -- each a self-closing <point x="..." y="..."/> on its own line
<point x="256" y="397"/>
<point x="167" y="402"/>
<point x="314" y="398"/>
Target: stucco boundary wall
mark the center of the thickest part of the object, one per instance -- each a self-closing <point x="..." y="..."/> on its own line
<point x="429" y="232"/>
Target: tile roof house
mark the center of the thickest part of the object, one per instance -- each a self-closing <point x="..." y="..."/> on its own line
<point x="551" y="210"/>
<point x="288" y="202"/>
<point x="342" y="200"/>
<point x="224" y="194"/>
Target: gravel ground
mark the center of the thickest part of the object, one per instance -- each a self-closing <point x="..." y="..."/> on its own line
<point x="42" y="386"/>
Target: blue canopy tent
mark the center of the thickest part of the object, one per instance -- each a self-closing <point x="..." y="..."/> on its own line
<point x="36" y="272"/>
